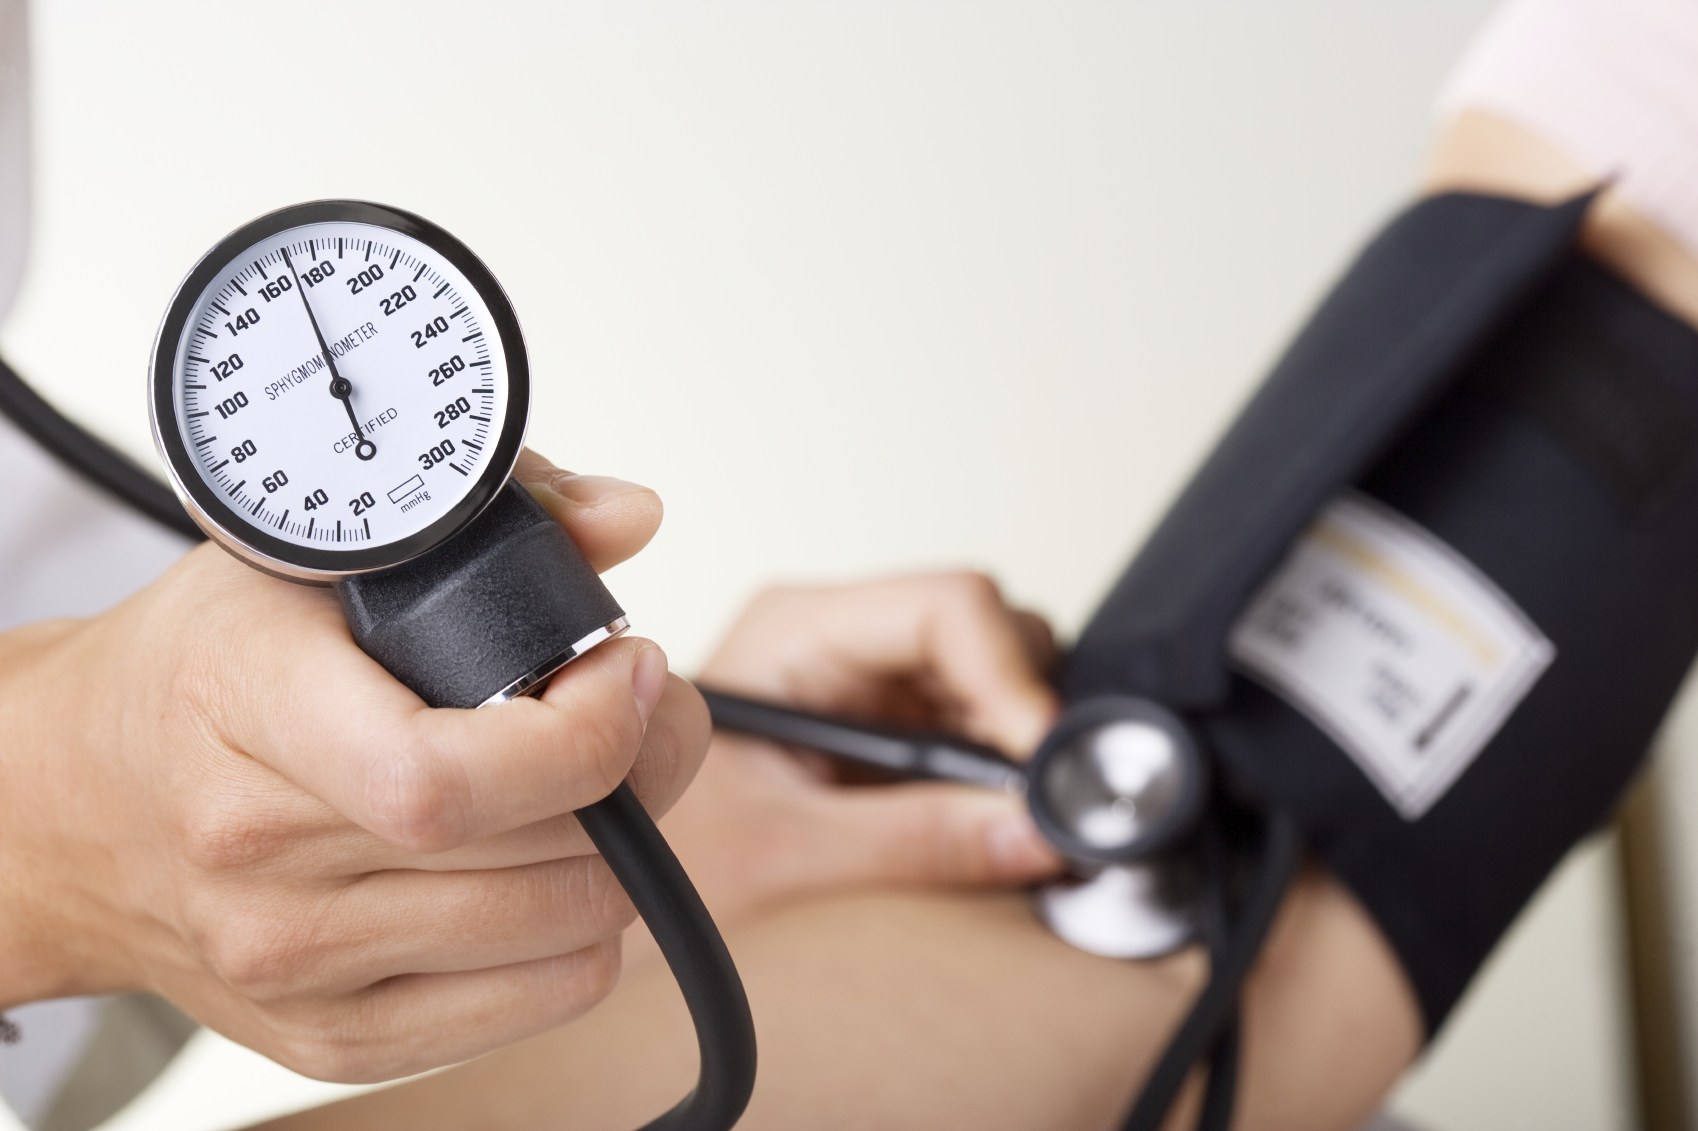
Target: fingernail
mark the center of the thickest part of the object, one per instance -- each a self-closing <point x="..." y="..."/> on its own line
<point x="648" y="679"/>
<point x="590" y="490"/>
<point x="1017" y="848"/>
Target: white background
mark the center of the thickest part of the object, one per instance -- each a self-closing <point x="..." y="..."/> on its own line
<point x="857" y="287"/>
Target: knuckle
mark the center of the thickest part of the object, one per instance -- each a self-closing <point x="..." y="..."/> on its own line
<point x="972" y="589"/>
<point x="582" y="893"/>
<point x="416" y="804"/>
<point x="597" y="972"/>
<point x="366" y="1038"/>
<point x="672" y="747"/>
<point x="945" y="844"/>
<point x="262" y="959"/>
<point x="330" y="1064"/>
<point x="359" y="1039"/>
<point x="220" y="837"/>
<point x="777" y="605"/>
<point x="606" y="901"/>
<point x="330" y="1054"/>
<point x="605" y="743"/>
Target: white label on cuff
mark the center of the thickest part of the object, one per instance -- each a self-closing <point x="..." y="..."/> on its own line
<point x="1394" y="645"/>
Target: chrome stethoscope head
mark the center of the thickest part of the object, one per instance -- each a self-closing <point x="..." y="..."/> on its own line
<point x="1118" y="780"/>
<point x="1117" y="787"/>
<point x="1119" y="783"/>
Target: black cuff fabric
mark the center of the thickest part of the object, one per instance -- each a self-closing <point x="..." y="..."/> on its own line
<point x="1561" y="465"/>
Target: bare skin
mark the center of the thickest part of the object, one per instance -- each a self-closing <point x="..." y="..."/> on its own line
<point x="1479" y="152"/>
<point x="944" y="1010"/>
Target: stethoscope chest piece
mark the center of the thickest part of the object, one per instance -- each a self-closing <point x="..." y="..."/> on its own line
<point x="1117" y="784"/>
<point x="1118" y="779"/>
<point x="1124" y="911"/>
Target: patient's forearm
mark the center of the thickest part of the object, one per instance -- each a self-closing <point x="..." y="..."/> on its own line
<point x="940" y="1011"/>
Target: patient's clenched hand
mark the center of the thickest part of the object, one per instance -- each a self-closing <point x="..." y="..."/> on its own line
<point x="761" y="824"/>
<point x="209" y="792"/>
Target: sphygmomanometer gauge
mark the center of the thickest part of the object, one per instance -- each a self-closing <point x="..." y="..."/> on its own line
<point x="338" y="387"/>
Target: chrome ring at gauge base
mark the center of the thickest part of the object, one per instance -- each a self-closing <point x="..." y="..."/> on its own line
<point x="533" y="680"/>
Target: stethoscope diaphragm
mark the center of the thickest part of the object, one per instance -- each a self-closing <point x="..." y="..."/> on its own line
<point x="1118" y="779"/>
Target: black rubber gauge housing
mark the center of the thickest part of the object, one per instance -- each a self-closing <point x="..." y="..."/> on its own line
<point x="238" y="531"/>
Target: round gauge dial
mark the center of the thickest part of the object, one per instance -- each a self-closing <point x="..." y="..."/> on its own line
<point x="338" y="387"/>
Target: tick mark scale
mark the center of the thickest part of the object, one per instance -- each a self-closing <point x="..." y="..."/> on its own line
<point x="326" y="412"/>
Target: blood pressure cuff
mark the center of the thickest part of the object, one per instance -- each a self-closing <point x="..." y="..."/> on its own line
<point x="1436" y="588"/>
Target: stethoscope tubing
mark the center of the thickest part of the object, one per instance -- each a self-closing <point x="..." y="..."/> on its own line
<point x="90" y="457"/>
<point x="1213" y="1014"/>
<point x="937" y="758"/>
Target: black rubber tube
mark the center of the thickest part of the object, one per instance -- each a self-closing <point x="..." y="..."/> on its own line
<point x="90" y="457"/>
<point x="1221" y="1094"/>
<point x="626" y="837"/>
<point x="1280" y="853"/>
<point x="912" y="754"/>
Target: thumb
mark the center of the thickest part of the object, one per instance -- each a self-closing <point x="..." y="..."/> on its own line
<point x="935" y="833"/>
<point x="608" y="518"/>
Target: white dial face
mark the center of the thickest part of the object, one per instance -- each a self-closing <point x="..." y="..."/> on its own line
<point x="342" y="385"/>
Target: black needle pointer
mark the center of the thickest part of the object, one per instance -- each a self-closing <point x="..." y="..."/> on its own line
<point x="339" y="386"/>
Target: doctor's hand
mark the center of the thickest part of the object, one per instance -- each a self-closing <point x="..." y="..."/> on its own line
<point x="210" y="793"/>
<point x="760" y="825"/>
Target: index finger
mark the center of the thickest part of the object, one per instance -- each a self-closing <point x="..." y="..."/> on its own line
<point x="807" y="645"/>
